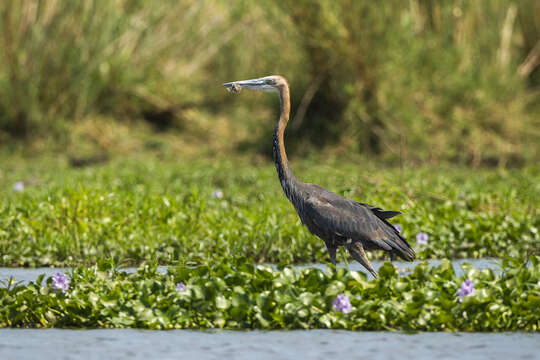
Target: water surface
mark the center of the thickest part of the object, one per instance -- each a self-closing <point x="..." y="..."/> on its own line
<point x="272" y="345"/>
<point x="26" y="275"/>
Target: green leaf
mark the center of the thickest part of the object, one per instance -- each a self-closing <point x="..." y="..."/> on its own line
<point x="221" y="302"/>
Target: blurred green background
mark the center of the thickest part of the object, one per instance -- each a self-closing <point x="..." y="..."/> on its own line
<point x="418" y="81"/>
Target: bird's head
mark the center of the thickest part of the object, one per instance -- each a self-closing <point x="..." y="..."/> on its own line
<point x="267" y="83"/>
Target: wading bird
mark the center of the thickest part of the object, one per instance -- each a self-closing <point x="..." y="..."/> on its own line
<point x="337" y="220"/>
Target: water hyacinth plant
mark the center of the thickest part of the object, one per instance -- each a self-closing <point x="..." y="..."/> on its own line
<point x="466" y="289"/>
<point x="180" y="287"/>
<point x="422" y="238"/>
<point x="237" y="294"/>
<point x="60" y="282"/>
<point x="18" y="186"/>
<point x="342" y="304"/>
<point x="398" y="228"/>
<point x="258" y="223"/>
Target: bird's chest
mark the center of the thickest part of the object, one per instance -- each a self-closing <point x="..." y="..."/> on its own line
<point x="307" y="221"/>
<point x="310" y="224"/>
<point x="324" y="231"/>
<point x="315" y="228"/>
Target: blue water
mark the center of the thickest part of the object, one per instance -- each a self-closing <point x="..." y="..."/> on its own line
<point x="272" y="345"/>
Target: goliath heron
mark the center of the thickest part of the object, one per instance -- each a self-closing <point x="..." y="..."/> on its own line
<point x="336" y="220"/>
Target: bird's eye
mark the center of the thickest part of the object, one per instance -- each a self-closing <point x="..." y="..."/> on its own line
<point x="269" y="82"/>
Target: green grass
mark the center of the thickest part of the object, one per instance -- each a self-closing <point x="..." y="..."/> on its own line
<point x="239" y="295"/>
<point x="146" y="209"/>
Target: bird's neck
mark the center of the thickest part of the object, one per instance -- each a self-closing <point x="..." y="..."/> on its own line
<point x="286" y="176"/>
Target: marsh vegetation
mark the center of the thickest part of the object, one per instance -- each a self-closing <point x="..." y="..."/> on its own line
<point x="119" y="147"/>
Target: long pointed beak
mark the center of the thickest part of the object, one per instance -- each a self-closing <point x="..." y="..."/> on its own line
<point x="254" y="84"/>
<point x="245" y="83"/>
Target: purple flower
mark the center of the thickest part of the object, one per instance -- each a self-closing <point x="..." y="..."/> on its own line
<point x="398" y="228"/>
<point x="466" y="288"/>
<point x="180" y="287"/>
<point x="217" y="194"/>
<point x="60" y="282"/>
<point x="18" y="186"/>
<point x="422" y="238"/>
<point x="342" y="304"/>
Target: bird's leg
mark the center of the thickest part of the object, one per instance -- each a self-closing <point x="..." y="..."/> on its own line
<point x="346" y="244"/>
<point x="346" y="261"/>
<point x="392" y="256"/>
<point x="357" y="251"/>
<point x="332" y="251"/>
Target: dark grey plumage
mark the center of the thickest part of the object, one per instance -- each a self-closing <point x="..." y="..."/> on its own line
<point x="343" y="222"/>
<point x="337" y="220"/>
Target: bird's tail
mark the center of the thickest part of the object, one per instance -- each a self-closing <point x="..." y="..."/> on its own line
<point x="401" y="248"/>
<point x="398" y="243"/>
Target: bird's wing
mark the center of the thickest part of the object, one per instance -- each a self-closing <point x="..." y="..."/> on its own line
<point x="354" y="220"/>
<point x="380" y="213"/>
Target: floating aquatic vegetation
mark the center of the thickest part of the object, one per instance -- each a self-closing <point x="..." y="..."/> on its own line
<point x="466" y="289"/>
<point x="60" y="282"/>
<point x="180" y="287"/>
<point x="18" y="186"/>
<point x="135" y="211"/>
<point x="240" y="295"/>
<point x="217" y="194"/>
<point x="342" y="304"/>
<point x="422" y="238"/>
